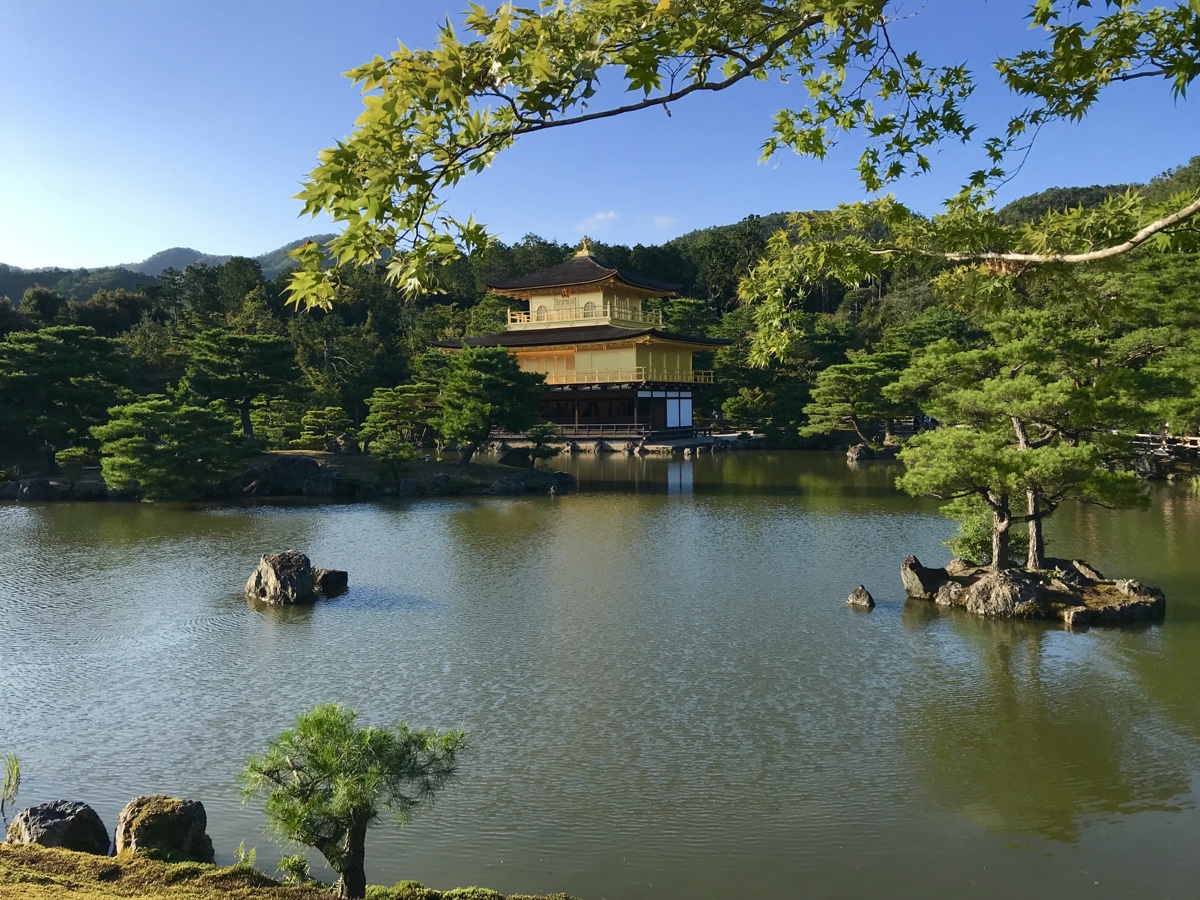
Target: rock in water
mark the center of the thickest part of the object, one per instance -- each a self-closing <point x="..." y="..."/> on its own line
<point x="283" y="579"/>
<point x="859" y="452"/>
<point x="919" y="581"/>
<point x="330" y="582"/>
<point x="860" y="596"/>
<point x="71" y="826"/>
<point x="165" y="828"/>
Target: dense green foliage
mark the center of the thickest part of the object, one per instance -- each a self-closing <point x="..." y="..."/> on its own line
<point x="326" y="781"/>
<point x="241" y="370"/>
<point x="55" y="383"/>
<point x="484" y="388"/>
<point x="434" y="117"/>
<point x="165" y="449"/>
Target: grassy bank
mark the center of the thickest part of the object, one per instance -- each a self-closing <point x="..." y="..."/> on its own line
<point x="35" y="873"/>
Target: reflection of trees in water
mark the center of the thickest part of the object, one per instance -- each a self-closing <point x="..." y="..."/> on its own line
<point x="1022" y="733"/>
<point x="823" y="476"/>
<point x="1170" y="686"/>
<point x="104" y="528"/>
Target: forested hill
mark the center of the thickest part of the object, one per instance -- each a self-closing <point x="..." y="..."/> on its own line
<point x="180" y="258"/>
<point x="82" y="284"/>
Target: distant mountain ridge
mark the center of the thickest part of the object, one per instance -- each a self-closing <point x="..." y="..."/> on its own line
<point x="273" y="262"/>
<point x="82" y="283"/>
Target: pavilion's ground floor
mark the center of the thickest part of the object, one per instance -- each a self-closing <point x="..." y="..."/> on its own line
<point x="634" y="412"/>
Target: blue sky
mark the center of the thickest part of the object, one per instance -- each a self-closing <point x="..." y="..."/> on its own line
<point x="131" y="126"/>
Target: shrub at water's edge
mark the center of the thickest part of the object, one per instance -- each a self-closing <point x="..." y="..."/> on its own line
<point x="326" y="781"/>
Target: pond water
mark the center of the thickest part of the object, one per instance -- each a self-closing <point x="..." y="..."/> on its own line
<point x="665" y="691"/>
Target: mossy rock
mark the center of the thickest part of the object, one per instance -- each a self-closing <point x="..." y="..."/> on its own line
<point x="165" y="828"/>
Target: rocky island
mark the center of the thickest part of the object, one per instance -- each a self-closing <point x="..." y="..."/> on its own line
<point x="1070" y="591"/>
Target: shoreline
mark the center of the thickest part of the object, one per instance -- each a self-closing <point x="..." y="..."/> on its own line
<point x="46" y="873"/>
<point x="313" y="476"/>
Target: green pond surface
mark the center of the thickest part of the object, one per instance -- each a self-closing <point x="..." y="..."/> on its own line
<point x="666" y="693"/>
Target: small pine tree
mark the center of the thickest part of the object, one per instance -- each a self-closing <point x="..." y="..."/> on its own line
<point x="748" y="408"/>
<point x="543" y="436"/>
<point x="404" y="413"/>
<point x="320" y="427"/>
<point x="328" y="779"/>
<point x="848" y="393"/>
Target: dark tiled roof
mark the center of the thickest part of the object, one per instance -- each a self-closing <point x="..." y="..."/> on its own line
<point x="578" y="271"/>
<point x="580" y="334"/>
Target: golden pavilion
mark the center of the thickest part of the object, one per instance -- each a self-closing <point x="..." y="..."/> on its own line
<point x="611" y="369"/>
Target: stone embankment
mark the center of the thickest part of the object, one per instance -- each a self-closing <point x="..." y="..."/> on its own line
<point x="1070" y="591"/>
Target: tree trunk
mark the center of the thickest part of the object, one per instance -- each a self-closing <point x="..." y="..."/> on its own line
<point x="862" y="437"/>
<point x="1037" y="544"/>
<point x="889" y="431"/>
<point x="353" y="883"/>
<point x="1001" y="521"/>
<point x="49" y="462"/>
<point x="467" y="454"/>
<point x="244" y="414"/>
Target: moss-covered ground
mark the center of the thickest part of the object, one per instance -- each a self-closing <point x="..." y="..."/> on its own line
<point x="35" y="873"/>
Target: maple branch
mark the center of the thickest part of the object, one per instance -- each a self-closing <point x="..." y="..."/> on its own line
<point x="752" y="66"/>
<point x="1156" y="227"/>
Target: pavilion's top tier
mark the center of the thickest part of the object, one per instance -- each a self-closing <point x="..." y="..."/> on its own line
<point x="582" y="291"/>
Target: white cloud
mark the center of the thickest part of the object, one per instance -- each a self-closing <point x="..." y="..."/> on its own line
<point x="597" y="222"/>
<point x="664" y="221"/>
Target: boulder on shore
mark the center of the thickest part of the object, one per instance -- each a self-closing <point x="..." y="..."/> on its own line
<point x="1070" y="591"/>
<point x="71" y="826"/>
<point x="1009" y="593"/>
<point x="165" y="828"/>
<point x="861" y="597"/>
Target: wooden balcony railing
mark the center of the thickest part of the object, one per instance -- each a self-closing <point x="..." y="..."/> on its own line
<point x="635" y="375"/>
<point x="598" y="315"/>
